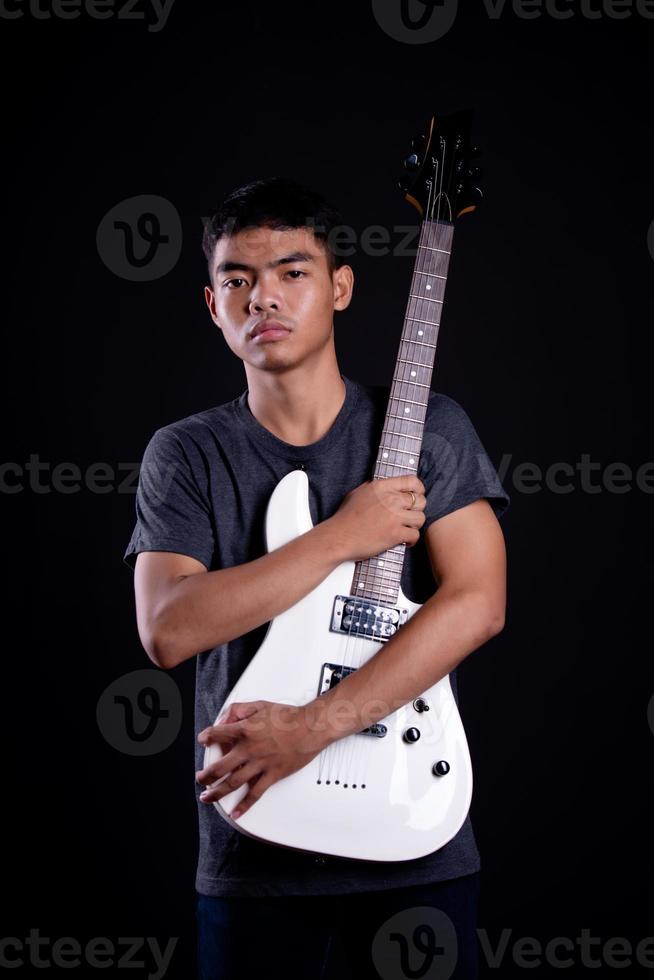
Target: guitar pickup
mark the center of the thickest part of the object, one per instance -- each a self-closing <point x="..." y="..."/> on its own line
<point x="330" y="676"/>
<point x="360" y="617"/>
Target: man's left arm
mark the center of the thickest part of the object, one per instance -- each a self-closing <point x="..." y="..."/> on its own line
<point x="468" y="558"/>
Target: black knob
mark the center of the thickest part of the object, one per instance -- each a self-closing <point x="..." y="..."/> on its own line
<point x="420" y="704"/>
<point x="411" y="162"/>
<point x="411" y="735"/>
<point x="440" y="768"/>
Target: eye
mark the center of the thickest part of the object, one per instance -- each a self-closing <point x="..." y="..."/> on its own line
<point x="230" y="281"/>
<point x="295" y="272"/>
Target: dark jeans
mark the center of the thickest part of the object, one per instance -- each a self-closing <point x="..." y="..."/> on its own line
<point x="413" y="932"/>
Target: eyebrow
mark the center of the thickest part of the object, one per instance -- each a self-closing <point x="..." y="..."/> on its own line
<point x="228" y="266"/>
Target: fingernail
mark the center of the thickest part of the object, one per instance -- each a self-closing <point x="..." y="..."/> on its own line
<point x="235" y="814"/>
<point x="204" y="794"/>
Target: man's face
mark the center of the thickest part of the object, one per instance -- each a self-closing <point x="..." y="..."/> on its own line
<point x="265" y="274"/>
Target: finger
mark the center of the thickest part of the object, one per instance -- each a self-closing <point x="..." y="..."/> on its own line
<point x="255" y="793"/>
<point x="234" y="781"/>
<point x="243" y="709"/>
<point x="220" y="733"/>
<point x="232" y="760"/>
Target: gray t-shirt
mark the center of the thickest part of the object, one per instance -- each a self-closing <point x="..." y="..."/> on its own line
<point x="204" y="487"/>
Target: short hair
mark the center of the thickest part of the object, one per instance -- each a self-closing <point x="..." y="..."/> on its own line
<point x="274" y="202"/>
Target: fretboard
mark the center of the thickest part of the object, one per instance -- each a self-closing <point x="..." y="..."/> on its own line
<point x="379" y="578"/>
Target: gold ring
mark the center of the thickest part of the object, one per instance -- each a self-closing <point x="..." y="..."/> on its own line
<point x="413" y="502"/>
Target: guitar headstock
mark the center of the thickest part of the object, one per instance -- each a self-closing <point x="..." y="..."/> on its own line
<point x="441" y="181"/>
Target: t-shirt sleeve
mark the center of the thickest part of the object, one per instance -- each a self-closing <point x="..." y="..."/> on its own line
<point x="454" y="465"/>
<point x="172" y="512"/>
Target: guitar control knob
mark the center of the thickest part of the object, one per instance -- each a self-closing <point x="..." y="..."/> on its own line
<point x="440" y="768"/>
<point x="411" y="735"/>
<point x="420" y="704"/>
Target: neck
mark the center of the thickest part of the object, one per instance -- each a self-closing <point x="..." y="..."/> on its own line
<point x="298" y="406"/>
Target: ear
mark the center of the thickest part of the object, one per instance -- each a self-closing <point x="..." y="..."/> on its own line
<point x="343" y="283"/>
<point x="211" y="303"/>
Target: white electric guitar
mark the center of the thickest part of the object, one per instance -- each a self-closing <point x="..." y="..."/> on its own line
<point x="401" y="788"/>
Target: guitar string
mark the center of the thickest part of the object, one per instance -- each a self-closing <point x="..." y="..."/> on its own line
<point x="353" y="763"/>
<point x="415" y="307"/>
<point x="384" y="576"/>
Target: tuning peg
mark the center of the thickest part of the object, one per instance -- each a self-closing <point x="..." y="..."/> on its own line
<point x="412" y="162"/>
<point x="418" y="142"/>
<point x="474" y="172"/>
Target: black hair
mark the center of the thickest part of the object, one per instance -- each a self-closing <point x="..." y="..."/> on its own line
<point x="274" y="202"/>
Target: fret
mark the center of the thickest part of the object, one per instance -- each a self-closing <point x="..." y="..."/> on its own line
<point x="409" y="452"/>
<point x="405" y="435"/>
<point x="420" y="343"/>
<point x="418" y="320"/>
<point x="407" y="418"/>
<point x="405" y="360"/>
<point x="377" y="558"/>
<point x="386" y="462"/>
<point x="412" y="401"/>
<point x="427" y="299"/>
<point x="405" y="381"/>
<point x="431" y="274"/>
<point x="432" y="249"/>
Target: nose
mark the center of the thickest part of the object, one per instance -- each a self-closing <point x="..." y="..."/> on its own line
<point x="264" y="297"/>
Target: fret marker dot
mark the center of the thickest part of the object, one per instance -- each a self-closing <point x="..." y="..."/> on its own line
<point x="407" y="410"/>
<point x="427" y="286"/>
<point x="380" y="562"/>
<point x="420" y="333"/>
<point x="385" y="455"/>
<point x="413" y="374"/>
<point x="412" y="460"/>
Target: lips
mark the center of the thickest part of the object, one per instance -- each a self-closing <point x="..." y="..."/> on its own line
<point x="271" y="329"/>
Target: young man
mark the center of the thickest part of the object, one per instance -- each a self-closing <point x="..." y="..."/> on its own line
<point x="206" y="588"/>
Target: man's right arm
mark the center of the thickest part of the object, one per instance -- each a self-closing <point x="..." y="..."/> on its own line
<point x="182" y="609"/>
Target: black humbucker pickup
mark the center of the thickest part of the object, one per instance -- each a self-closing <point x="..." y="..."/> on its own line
<point x="360" y="617"/>
<point x="330" y="676"/>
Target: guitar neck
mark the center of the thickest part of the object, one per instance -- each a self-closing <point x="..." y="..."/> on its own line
<point x="379" y="578"/>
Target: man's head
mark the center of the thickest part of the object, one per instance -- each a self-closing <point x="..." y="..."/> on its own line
<point x="270" y="258"/>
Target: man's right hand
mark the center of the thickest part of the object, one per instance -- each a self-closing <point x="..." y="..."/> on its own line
<point x="378" y="515"/>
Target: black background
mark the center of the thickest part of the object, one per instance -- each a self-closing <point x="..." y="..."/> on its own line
<point x="545" y="342"/>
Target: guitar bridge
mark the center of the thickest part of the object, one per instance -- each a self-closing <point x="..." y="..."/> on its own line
<point x="359" y="617"/>
<point x="330" y="676"/>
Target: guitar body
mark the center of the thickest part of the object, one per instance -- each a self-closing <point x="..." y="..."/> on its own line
<point x="371" y="796"/>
